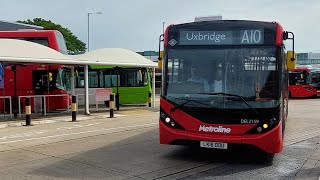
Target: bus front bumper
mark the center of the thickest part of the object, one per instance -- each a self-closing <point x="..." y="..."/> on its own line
<point x="270" y="142"/>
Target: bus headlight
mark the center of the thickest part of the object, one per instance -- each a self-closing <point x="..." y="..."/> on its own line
<point x="169" y="121"/>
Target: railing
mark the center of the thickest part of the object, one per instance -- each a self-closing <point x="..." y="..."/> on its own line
<point x="97" y="105"/>
<point x="44" y="101"/>
<point x="10" y="104"/>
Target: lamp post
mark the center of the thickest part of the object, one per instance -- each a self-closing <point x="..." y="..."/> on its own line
<point x="89" y="27"/>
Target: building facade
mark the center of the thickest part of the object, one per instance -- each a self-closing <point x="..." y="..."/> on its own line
<point x="308" y="58"/>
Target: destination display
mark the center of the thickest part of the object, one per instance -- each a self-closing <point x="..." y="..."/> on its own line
<point x="228" y="37"/>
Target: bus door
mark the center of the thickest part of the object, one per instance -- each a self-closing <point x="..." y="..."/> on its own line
<point x="42" y="81"/>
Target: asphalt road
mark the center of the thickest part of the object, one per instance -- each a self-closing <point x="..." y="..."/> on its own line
<point x="127" y="147"/>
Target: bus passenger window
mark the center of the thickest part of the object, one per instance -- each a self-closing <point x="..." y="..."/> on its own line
<point x="93" y="79"/>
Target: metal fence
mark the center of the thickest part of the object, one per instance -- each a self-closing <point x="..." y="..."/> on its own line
<point x="10" y="104"/>
<point x="44" y="101"/>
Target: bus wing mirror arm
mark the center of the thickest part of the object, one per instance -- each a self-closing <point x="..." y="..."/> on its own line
<point x="285" y="37"/>
<point x="160" y="54"/>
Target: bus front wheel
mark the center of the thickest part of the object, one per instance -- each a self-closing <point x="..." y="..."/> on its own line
<point x="268" y="159"/>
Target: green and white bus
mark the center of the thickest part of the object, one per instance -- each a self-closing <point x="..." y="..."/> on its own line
<point x="132" y="83"/>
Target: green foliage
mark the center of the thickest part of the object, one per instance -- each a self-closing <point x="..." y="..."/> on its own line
<point x="74" y="45"/>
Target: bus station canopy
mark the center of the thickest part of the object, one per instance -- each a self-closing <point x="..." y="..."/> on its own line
<point x="20" y="51"/>
<point x="115" y="57"/>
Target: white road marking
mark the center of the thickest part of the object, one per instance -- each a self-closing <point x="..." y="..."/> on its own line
<point x="77" y="133"/>
<point x="26" y="134"/>
<point x="77" y="126"/>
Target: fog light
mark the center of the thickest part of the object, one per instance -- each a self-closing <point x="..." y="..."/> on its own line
<point x="172" y="124"/>
<point x="265" y="126"/>
<point x="168" y="120"/>
<point x="259" y="129"/>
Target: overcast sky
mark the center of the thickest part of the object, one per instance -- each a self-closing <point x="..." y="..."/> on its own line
<point x="136" y="24"/>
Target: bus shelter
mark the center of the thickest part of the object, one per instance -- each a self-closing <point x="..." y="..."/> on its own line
<point x="14" y="51"/>
<point x="117" y="58"/>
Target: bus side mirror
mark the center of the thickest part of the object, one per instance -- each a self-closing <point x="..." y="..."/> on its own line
<point x="291" y="60"/>
<point x="160" y="57"/>
<point x="50" y="78"/>
<point x="285" y="35"/>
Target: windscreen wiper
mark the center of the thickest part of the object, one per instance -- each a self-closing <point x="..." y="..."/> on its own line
<point x="187" y="101"/>
<point x="233" y="95"/>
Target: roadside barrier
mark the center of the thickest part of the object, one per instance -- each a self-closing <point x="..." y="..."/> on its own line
<point x="149" y="100"/>
<point x="74" y="108"/>
<point x="28" y="111"/>
<point x="111" y="105"/>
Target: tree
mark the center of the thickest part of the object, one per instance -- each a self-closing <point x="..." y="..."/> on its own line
<point x="74" y="45"/>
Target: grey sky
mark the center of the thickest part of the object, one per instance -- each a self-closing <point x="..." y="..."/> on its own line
<point x="136" y="24"/>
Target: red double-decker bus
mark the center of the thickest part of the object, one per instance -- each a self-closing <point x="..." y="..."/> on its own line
<point x="35" y="79"/>
<point x="304" y="82"/>
<point x="225" y="83"/>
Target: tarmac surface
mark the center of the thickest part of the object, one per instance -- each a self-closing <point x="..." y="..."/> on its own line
<point x="127" y="147"/>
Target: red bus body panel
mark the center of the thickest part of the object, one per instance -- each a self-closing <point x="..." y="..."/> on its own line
<point x="303" y="91"/>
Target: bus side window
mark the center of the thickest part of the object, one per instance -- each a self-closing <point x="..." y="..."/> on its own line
<point x="107" y="79"/>
<point x="93" y="79"/>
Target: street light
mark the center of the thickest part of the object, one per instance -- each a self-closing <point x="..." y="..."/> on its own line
<point x="89" y="26"/>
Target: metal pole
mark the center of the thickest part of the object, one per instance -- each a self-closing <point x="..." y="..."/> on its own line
<point x="19" y="106"/>
<point x="163" y="27"/>
<point x="45" y="105"/>
<point x="15" y="91"/>
<point x="77" y="100"/>
<point x="153" y="87"/>
<point x="86" y="89"/>
<point x="10" y="106"/>
<point x="118" y="95"/>
<point x="88" y="32"/>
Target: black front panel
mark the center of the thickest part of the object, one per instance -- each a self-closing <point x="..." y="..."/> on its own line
<point x="232" y="116"/>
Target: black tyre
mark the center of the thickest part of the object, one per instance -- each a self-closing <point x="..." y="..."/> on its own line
<point x="268" y="159"/>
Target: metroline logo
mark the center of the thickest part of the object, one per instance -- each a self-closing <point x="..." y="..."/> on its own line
<point x="219" y="129"/>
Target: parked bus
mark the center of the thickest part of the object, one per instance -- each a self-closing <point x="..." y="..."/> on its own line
<point x="303" y="82"/>
<point x="133" y="83"/>
<point x="315" y="78"/>
<point x="35" y="79"/>
<point x="225" y="83"/>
